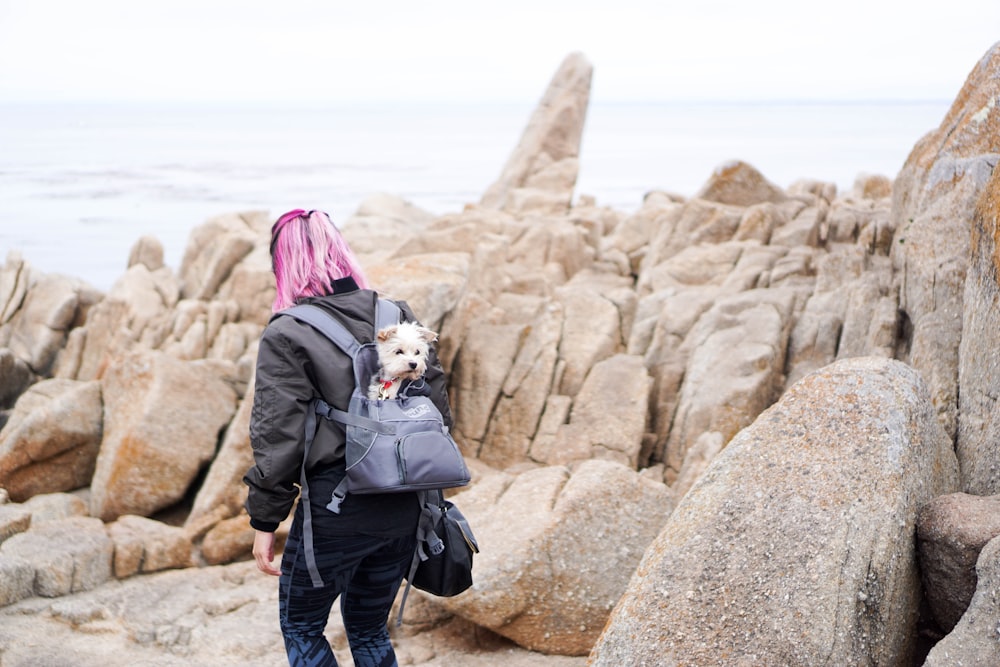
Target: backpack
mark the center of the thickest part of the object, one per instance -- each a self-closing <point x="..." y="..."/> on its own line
<point x="392" y="445"/>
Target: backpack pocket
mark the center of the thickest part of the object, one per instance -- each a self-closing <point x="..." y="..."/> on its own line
<point x="431" y="460"/>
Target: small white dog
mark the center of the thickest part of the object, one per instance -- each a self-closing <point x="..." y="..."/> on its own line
<point x="402" y="355"/>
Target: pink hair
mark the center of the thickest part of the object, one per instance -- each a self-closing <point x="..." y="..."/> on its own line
<point x="307" y="254"/>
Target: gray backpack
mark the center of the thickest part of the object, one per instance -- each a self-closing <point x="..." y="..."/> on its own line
<point x="392" y="445"/>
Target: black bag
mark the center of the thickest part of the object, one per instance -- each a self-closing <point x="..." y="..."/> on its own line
<point x="442" y="562"/>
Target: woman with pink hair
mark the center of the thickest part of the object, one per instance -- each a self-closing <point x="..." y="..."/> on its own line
<point x="362" y="553"/>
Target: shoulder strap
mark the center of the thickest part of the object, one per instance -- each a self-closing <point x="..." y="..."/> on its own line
<point x="386" y="314"/>
<point x="325" y="324"/>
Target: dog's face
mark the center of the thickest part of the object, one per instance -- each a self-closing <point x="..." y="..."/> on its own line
<point x="403" y="349"/>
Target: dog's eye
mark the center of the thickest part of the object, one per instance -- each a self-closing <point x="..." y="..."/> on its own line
<point x="399" y="352"/>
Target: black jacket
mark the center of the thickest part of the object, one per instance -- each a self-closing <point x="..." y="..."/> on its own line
<point x="296" y="363"/>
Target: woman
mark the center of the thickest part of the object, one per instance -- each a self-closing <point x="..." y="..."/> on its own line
<point x="363" y="552"/>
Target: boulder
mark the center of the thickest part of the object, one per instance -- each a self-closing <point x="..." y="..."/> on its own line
<point x="52" y="506"/>
<point x="553" y="562"/>
<point x="973" y="642"/>
<point x="147" y="251"/>
<point x="138" y="309"/>
<point x="53" y="305"/>
<point x="933" y="201"/>
<point x="430" y="284"/>
<point x="223" y="485"/>
<point x="541" y="173"/>
<point x="517" y="411"/>
<point x="15" y="276"/>
<point x="223" y="617"/>
<point x="145" y="545"/>
<point x="979" y="361"/>
<point x="735" y="368"/>
<point x="796" y="545"/>
<point x="592" y="332"/>
<point x="739" y="184"/>
<point x="951" y="531"/>
<point x="14" y="519"/>
<point x="15" y="377"/>
<point x="607" y="419"/>
<point x="382" y="224"/>
<point x="67" y="555"/>
<point x="228" y="540"/>
<point x="214" y="249"/>
<point x="162" y="422"/>
<point x="51" y="440"/>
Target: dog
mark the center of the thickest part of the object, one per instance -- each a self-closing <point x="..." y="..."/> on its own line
<point x="402" y="355"/>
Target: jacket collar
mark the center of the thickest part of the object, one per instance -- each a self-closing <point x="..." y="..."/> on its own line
<point x="342" y="285"/>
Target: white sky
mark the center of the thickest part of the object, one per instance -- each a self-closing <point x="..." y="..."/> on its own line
<point x="464" y="50"/>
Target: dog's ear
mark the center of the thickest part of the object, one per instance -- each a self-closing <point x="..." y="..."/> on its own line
<point x="427" y="334"/>
<point x="385" y="334"/>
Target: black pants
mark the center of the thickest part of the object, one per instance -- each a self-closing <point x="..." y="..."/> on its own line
<point x="365" y="571"/>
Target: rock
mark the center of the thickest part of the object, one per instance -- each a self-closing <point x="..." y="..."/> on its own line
<point x="222" y="617"/>
<point x="382" y="225"/>
<point x="592" y="332"/>
<point x="51" y="307"/>
<point x="52" y="506"/>
<point x="872" y="186"/>
<point x="951" y="532"/>
<point x="518" y="408"/>
<point x="553" y="562"/>
<point x="735" y="369"/>
<point x="68" y="555"/>
<point x="145" y="545"/>
<point x="147" y="251"/>
<point x="541" y="173"/>
<point x="979" y="360"/>
<point x="137" y="309"/>
<point x="973" y="642"/>
<point x="15" y="377"/>
<point x="51" y="440"/>
<point x="15" y="275"/>
<point x="213" y="250"/>
<point x="14" y="519"/>
<point x="932" y="207"/>
<point x="430" y="284"/>
<point x="739" y="184"/>
<point x="223" y="485"/>
<point x="18" y="577"/>
<point x="228" y="540"/>
<point x="608" y="417"/>
<point x="795" y="547"/>
<point x="162" y="420"/>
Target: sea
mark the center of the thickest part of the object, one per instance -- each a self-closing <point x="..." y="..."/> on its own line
<point x="80" y="183"/>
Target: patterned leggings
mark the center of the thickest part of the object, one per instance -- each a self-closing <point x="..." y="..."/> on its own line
<point x="365" y="572"/>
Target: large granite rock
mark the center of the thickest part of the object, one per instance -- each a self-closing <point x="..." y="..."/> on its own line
<point x="973" y="642"/>
<point x="51" y="440"/>
<point x="555" y="550"/>
<point x="951" y="532"/>
<point x="162" y="420"/>
<point x="934" y="197"/>
<point x="541" y="173"/>
<point x="795" y="547"/>
<point x="979" y="354"/>
<point x="67" y="555"/>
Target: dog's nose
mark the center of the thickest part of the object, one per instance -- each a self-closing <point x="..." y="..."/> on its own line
<point x="413" y="365"/>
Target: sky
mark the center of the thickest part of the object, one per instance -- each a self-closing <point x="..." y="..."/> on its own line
<point x="329" y="51"/>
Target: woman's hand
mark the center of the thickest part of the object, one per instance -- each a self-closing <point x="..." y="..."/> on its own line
<point x="263" y="552"/>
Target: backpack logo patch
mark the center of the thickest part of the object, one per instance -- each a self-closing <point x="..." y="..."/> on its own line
<point x="418" y="411"/>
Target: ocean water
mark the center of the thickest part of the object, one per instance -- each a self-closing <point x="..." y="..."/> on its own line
<point x="79" y="184"/>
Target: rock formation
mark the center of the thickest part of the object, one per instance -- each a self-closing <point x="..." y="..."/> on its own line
<point x="790" y="367"/>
